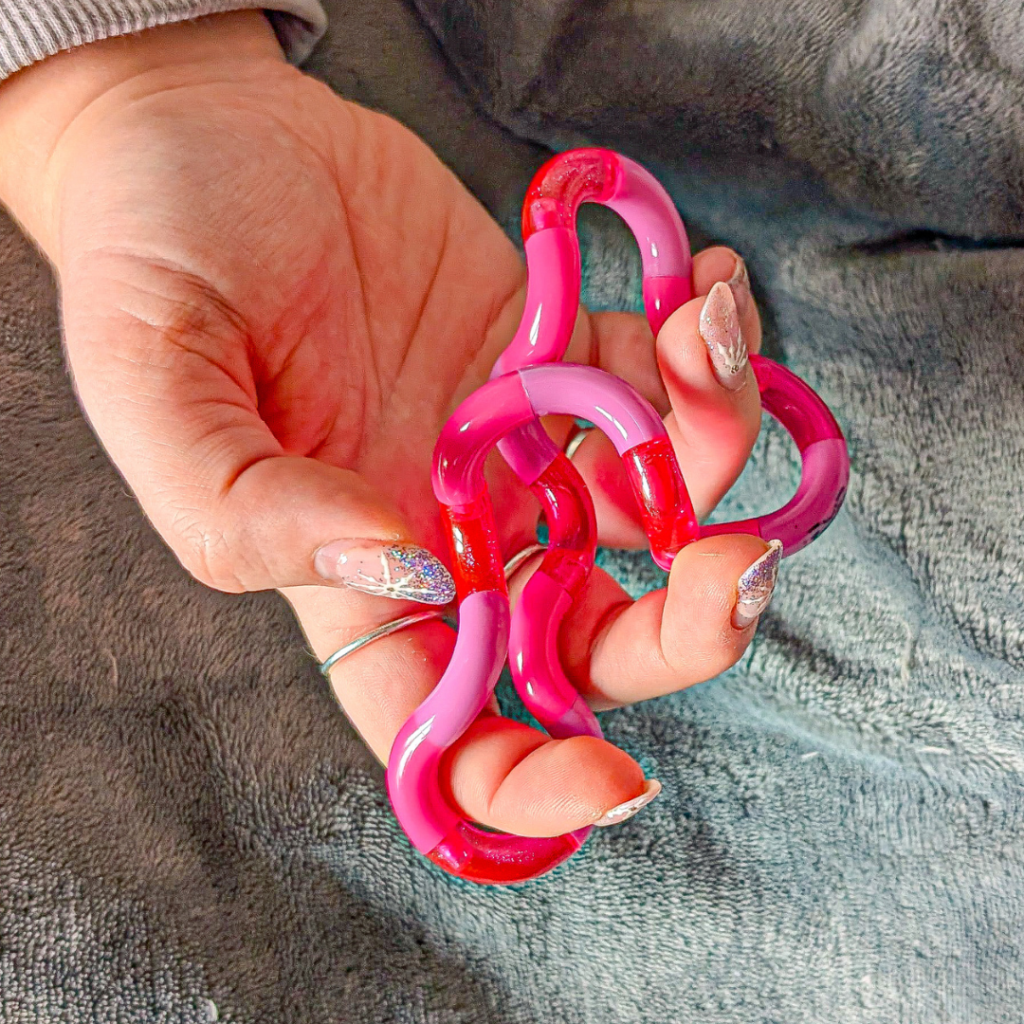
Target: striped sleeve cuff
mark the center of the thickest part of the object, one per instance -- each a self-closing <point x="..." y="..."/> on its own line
<point x="33" y="29"/>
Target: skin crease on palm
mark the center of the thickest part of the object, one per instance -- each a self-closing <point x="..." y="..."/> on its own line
<point x="272" y="301"/>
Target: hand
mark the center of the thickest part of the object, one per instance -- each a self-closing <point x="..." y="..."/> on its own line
<point x="272" y="301"/>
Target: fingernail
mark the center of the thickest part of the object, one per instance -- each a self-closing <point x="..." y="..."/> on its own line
<point x="630" y="807"/>
<point x="756" y="586"/>
<point x="719" y="326"/>
<point x="739" y="284"/>
<point x="405" y="572"/>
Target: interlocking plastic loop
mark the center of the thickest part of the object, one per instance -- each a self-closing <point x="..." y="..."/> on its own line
<point x="504" y="412"/>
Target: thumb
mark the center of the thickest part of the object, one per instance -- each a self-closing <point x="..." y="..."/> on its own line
<point x="178" y="413"/>
<point x="286" y="521"/>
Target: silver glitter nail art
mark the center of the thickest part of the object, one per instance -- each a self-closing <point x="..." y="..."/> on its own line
<point x="719" y="326"/>
<point x="756" y="586"/>
<point x="405" y="572"/>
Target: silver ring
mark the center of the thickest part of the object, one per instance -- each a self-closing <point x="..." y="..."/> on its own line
<point x="375" y="634"/>
<point x="576" y="438"/>
<point x="522" y="556"/>
<point x="424" y="616"/>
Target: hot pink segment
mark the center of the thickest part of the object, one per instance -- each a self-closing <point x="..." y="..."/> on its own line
<point x="471" y="432"/>
<point x="552" y="301"/>
<point x="572" y="528"/>
<point x="536" y="666"/>
<point x="663" y="296"/>
<point x="748" y="526"/>
<point x="590" y="393"/>
<point x="793" y="403"/>
<point x="460" y="696"/>
<point x="496" y="858"/>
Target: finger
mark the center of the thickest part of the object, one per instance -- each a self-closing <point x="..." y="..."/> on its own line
<point x="171" y="394"/>
<point x="617" y="651"/>
<point x="501" y="773"/>
<point x="714" y="420"/>
<point x="622" y="343"/>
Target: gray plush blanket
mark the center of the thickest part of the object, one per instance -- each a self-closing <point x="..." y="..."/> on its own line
<point x="190" y="831"/>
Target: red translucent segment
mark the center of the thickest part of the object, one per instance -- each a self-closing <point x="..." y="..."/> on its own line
<point x="473" y="541"/>
<point x="496" y="858"/>
<point x="660" y="492"/>
<point x="572" y="529"/>
<point x="563" y="183"/>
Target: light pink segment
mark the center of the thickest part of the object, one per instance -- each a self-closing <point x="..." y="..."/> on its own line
<point x="641" y="201"/>
<point x="823" y="483"/>
<point x="585" y="391"/>
<point x="528" y="451"/>
<point x="412" y="775"/>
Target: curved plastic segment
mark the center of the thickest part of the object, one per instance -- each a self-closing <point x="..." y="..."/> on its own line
<point x="412" y="775"/>
<point x="496" y="858"/>
<point x="555" y="195"/>
<point x="825" y="472"/>
<point x="433" y="826"/>
<point x="533" y="641"/>
<point x="499" y="407"/>
<point x="504" y="413"/>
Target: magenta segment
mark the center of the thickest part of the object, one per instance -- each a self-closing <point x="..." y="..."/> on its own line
<point x="578" y="720"/>
<point x="585" y="391"/>
<point x="572" y="528"/>
<point x="412" y="774"/>
<point x="536" y="667"/>
<point x="641" y="201"/>
<point x="793" y="403"/>
<point x="823" y="483"/>
<point x="748" y="526"/>
<point x="493" y="858"/>
<point x="663" y="296"/>
<point x="472" y="430"/>
<point x="826" y="462"/>
<point x="552" y="301"/>
<point x="528" y="451"/>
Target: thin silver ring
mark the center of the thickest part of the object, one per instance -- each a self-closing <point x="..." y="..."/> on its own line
<point x="576" y="438"/>
<point x="424" y="616"/>
<point x="516" y="561"/>
<point x="375" y="634"/>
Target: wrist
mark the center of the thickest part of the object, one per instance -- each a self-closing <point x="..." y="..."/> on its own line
<point x="42" y="104"/>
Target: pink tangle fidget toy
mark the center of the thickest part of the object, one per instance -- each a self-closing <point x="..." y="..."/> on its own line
<point x="527" y="382"/>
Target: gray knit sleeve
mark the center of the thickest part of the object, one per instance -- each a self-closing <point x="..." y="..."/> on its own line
<point x="33" y="29"/>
